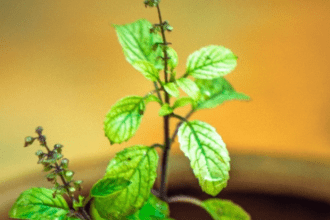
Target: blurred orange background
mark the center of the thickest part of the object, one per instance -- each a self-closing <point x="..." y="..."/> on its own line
<point x="61" y="67"/>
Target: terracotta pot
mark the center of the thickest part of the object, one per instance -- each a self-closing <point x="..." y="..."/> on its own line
<point x="268" y="188"/>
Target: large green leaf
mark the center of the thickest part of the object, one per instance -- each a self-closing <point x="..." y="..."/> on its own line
<point x="147" y="69"/>
<point x="216" y="91"/>
<point x="39" y="204"/>
<point x="208" y="155"/>
<point x="108" y="186"/>
<point x="153" y="208"/>
<point x="137" y="164"/>
<point x="137" y="42"/>
<point x="189" y="87"/>
<point x="211" y="62"/>
<point x="124" y="118"/>
<point x="224" y="210"/>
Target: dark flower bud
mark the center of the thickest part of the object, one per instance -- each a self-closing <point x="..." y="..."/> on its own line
<point x="28" y="141"/>
<point x="39" y="130"/>
<point x="65" y="163"/>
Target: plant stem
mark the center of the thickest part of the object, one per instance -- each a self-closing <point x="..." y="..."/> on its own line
<point x="61" y="176"/>
<point x="163" y="178"/>
<point x="83" y="215"/>
<point x="185" y="199"/>
<point x="179" y="124"/>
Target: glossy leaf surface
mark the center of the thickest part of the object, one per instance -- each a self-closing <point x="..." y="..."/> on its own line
<point x="172" y="89"/>
<point x="183" y="101"/>
<point x="174" y="59"/>
<point x="137" y="164"/>
<point x="224" y="210"/>
<point x="207" y="153"/>
<point x="107" y="186"/>
<point x="124" y="118"/>
<point x="137" y="42"/>
<point x="211" y="62"/>
<point x="147" y="69"/>
<point x="153" y="208"/>
<point x="38" y="204"/>
<point x="166" y="109"/>
<point x="189" y="87"/>
<point x="216" y="91"/>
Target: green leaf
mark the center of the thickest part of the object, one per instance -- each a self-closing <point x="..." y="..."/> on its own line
<point x="153" y="208"/>
<point x="172" y="89"/>
<point x="207" y="153"/>
<point x="183" y="102"/>
<point x="137" y="42"/>
<point x="216" y="91"/>
<point x="166" y="109"/>
<point x="189" y="87"/>
<point x="174" y="59"/>
<point x="94" y="213"/>
<point x="107" y="186"/>
<point x="137" y="164"/>
<point x="211" y="62"/>
<point x="147" y="69"/>
<point x="152" y="98"/>
<point x="39" y="204"/>
<point x="224" y="210"/>
<point x="124" y="118"/>
<point x="78" y="204"/>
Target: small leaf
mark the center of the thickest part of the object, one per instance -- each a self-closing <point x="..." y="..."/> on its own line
<point x="189" y="87"/>
<point x="152" y="98"/>
<point x="137" y="164"/>
<point x="172" y="89"/>
<point x="137" y="41"/>
<point x="124" y="118"/>
<point x="211" y="62"/>
<point x="216" y="91"/>
<point x="107" y="186"/>
<point x="153" y="208"/>
<point x="37" y="204"/>
<point x="147" y="69"/>
<point x="207" y="153"/>
<point x="166" y="109"/>
<point x="80" y="203"/>
<point x="183" y="102"/>
<point x="174" y="60"/>
<point x="224" y="210"/>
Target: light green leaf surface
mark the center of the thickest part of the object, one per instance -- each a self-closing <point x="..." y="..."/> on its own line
<point x="152" y="98"/>
<point x="39" y="204"/>
<point x="154" y="208"/>
<point x="123" y="119"/>
<point x="137" y="42"/>
<point x="207" y="153"/>
<point x="189" y="87"/>
<point x="147" y="69"/>
<point x="216" y="91"/>
<point x="211" y="62"/>
<point x="224" y="210"/>
<point x="174" y="59"/>
<point x="183" y="101"/>
<point x="166" y="109"/>
<point x="107" y="186"/>
<point x="138" y="164"/>
<point x="172" y="89"/>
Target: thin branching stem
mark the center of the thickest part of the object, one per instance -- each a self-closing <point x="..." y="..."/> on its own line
<point x="163" y="175"/>
<point x="175" y="133"/>
<point x="83" y="215"/>
<point x="185" y="199"/>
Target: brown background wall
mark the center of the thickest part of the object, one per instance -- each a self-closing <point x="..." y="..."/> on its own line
<point x="62" y="67"/>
